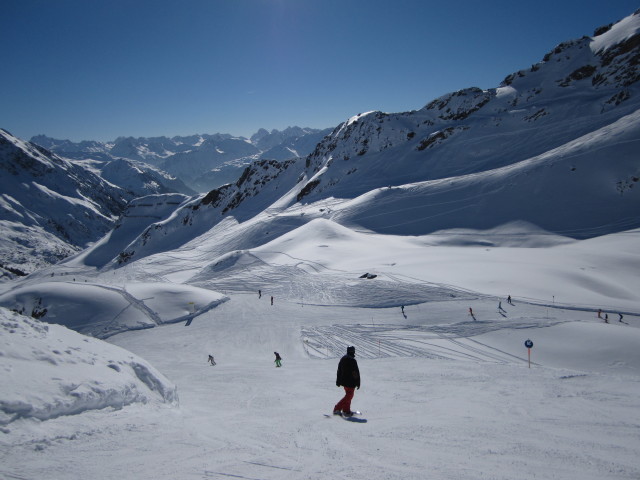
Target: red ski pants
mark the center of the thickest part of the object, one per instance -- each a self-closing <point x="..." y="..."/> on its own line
<point x="345" y="404"/>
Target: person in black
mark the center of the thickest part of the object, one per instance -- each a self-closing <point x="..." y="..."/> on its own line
<point x="348" y="376"/>
<point x="278" y="359"/>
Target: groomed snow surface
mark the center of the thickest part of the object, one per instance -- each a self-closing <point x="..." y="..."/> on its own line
<point x="444" y="395"/>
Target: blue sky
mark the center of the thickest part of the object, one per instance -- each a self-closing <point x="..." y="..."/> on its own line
<point x="97" y="70"/>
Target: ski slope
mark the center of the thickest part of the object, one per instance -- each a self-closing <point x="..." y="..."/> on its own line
<point x="444" y="394"/>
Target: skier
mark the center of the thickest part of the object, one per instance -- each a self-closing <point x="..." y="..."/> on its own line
<point x="606" y="318"/>
<point x="599" y="313"/>
<point x="509" y="300"/>
<point x="348" y="376"/>
<point x="278" y="359"/>
<point x="272" y="300"/>
<point x="211" y="360"/>
<point x="621" y="317"/>
<point x="259" y="293"/>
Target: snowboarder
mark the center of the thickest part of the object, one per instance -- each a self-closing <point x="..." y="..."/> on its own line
<point x="509" y="300"/>
<point x="348" y="376"/>
<point x="211" y="360"/>
<point x="278" y="359"/>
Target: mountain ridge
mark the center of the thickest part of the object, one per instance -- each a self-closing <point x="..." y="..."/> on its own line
<point x="201" y="161"/>
<point x="439" y="167"/>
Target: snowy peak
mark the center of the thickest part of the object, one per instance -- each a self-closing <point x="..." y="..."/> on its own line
<point x="265" y="140"/>
<point x="619" y="51"/>
<point x="622" y="35"/>
<point x="608" y="60"/>
<point x="18" y="155"/>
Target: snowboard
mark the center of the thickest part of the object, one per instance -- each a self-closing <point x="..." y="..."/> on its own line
<point x="355" y="412"/>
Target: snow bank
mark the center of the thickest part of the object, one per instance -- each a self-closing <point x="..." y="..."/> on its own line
<point x="47" y="371"/>
<point x="103" y="310"/>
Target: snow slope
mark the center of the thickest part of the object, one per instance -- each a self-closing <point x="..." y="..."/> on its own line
<point x="442" y="391"/>
<point x="51" y="372"/>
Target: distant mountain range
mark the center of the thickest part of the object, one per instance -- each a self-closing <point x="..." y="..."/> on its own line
<point x="555" y="145"/>
<point x="202" y="162"/>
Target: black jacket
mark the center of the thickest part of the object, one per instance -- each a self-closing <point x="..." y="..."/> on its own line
<point x="348" y="373"/>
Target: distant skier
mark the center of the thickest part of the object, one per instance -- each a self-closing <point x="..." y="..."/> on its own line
<point x="348" y="377"/>
<point x="272" y="300"/>
<point x="259" y="293"/>
<point x="278" y="359"/>
<point x="621" y="317"/>
<point x="211" y="360"/>
<point x="471" y="313"/>
<point x="599" y="313"/>
<point x="606" y="318"/>
<point x="402" y="308"/>
<point x="509" y="300"/>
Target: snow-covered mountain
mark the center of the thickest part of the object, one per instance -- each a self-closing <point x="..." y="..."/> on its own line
<point x="140" y="178"/>
<point x="213" y="152"/>
<point x="50" y="206"/>
<point x="53" y="206"/>
<point x="555" y="146"/>
<point x="585" y="91"/>
<point x="203" y="161"/>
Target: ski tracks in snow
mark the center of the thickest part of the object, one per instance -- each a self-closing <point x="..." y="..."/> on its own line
<point x="451" y="342"/>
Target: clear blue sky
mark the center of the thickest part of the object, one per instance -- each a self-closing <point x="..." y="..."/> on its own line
<point x="99" y="69"/>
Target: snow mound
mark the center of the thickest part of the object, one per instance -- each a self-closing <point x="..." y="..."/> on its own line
<point x="48" y="371"/>
<point x="236" y="259"/>
<point x="517" y="234"/>
<point x="104" y="310"/>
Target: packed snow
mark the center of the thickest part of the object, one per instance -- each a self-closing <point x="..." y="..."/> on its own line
<point x="50" y="371"/>
<point x="442" y="391"/>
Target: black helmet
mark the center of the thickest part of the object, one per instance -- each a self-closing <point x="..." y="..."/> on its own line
<point x="351" y="350"/>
